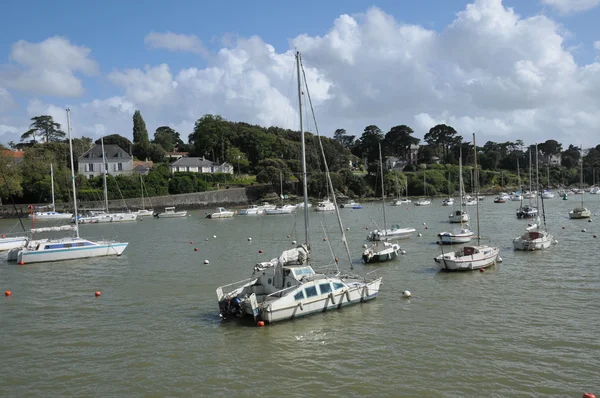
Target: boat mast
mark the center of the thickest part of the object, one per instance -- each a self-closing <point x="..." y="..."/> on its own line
<point x="52" y="183"/>
<point x="304" y="185"/>
<point x="581" y="176"/>
<point x="72" y="173"/>
<point x="142" y="186"/>
<point x="461" y="188"/>
<point x="104" y="171"/>
<point x="537" y="180"/>
<point x="476" y="186"/>
<point x="520" y="186"/>
<point x="382" y="193"/>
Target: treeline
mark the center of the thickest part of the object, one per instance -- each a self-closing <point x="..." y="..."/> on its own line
<point x="268" y="155"/>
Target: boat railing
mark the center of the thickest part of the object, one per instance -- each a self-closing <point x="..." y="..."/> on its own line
<point x="281" y="293"/>
<point x="232" y="286"/>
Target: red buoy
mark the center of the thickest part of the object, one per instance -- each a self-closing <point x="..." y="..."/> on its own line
<point x="588" y="395"/>
<point x="191" y="243"/>
<point x="426" y="227"/>
<point x="97" y="294"/>
<point x="21" y="263"/>
<point x="3" y="236"/>
<point x="324" y="239"/>
<point x="260" y="251"/>
<point x="481" y="270"/>
<point x="595" y="236"/>
<point x="7" y="293"/>
<point x="260" y="324"/>
<point x="366" y="227"/>
<point x="195" y="249"/>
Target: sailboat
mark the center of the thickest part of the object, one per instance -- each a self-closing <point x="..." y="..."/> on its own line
<point x="528" y="210"/>
<point x="470" y="258"/>
<point x="401" y="201"/>
<point x="103" y="216"/>
<point x="143" y="211"/>
<point x="287" y="287"/>
<point x="381" y="251"/>
<point x="535" y="238"/>
<point x="516" y="196"/>
<point x="423" y="201"/>
<point x="50" y="215"/>
<point x="464" y="233"/>
<point x="580" y="212"/>
<point x="69" y="248"/>
<point x="281" y="209"/>
<point x="449" y="201"/>
<point x="547" y="193"/>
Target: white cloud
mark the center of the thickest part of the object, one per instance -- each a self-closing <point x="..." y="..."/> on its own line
<point x="48" y="67"/>
<point x="175" y="42"/>
<point x="490" y="72"/>
<point x="571" y="6"/>
<point x="6" y="100"/>
<point x="597" y="45"/>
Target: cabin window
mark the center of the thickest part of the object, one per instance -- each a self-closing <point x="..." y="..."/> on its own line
<point x="289" y="284"/>
<point x="311" y="291"/>
<point x="299" y="296"/>
<point x="325" y="288"/>
<point x="338" y="286"/>
<point x="269" y="281"/>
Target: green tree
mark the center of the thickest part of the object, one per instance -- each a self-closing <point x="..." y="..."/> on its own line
<point x="444" y="137"/>
<point x="116" y="139"/>
<point x="12" y="175"/>
<point x="570" y="157"/>
<point x="236" y="158"/>
<point x="208" y="136"/>
<point x="167" y="138"/>
<point x="345" y="140"/>
<point x="398" y="140"/>
<point x="43" y="126"/>
<point x="368" y="143"/>
<point x="140" y="133"/>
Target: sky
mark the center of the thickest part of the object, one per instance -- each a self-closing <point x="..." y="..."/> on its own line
<point x="504" y="70"/>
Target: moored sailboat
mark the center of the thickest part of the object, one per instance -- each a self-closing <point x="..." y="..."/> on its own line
<point x="582" y="211"/>
<point x="469" y="258"/>
<point x="51" y="215"/>
<point x="287" y="287"/>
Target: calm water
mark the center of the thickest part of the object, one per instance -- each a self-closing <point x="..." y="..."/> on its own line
<point x="528" y="327"/>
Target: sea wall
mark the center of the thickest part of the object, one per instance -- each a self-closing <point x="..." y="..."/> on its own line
<point x="198" y="200"/>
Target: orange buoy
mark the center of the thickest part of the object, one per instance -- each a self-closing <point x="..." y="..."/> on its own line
<point x="191" y="243"/>
<point x="481" y="270"/>
<point x="7" y="293"/>
<point x="324" y="239"/>
<point x="588" y="395"/>
<point x="337" y="260"/>
<point x="97" y="294"/>
<point x="21" y="263"/>
<point x="3" y="236"/>
<point x="260" y="251"/>
<point x="195" y="249"/>
<point x="260" y="324"/>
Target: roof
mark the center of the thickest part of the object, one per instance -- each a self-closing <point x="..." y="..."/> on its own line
<point x="13" y="154"/>
<point x="112" y="151"/>
<point x="193" y="162"/>
<point x="143" y="164"/>
<point x="177" y="153"/>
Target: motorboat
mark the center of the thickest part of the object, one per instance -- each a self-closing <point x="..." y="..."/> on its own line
<point x="12" y="242"/>
<point x="448" y="202"/>
<point x="251" y="210"/>
<point x="527" y="211"/>
<point x="279" y="210"/>
<point x="580" y="212"/>
<point x="221" y="212"/>
<point x="461" y="235"/>
<point x="351" y="205"/>
<point x="325" y="205"/>
<point x="171" y="213"/>
<point x="547" y="194"/>
<point x="380" y="252"/>
<point x="422" y="202"/>
<point x="393" y="233"/>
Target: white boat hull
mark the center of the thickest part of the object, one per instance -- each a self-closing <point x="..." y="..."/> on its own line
<point x="279" y="211"/>
<point x="448" y="238"/>
<point x="227" y="214"/>
<point x="585" y="213"/>
<point x="106" y="218"/>
<point x="401" y="202"/>
<point x="12" y="243"/>
<point x="99" y="249"/>
<point x="528" y="244"/>
<point x="486" y="256"/>
<point x="144" y="212"/>
<point x="459" y="218"/>
<point x="178" y="214"/>
<point x="391" y="234"/>
<point x="41" y="217"/>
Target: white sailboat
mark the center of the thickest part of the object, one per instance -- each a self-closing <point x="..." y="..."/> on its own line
<point x="474" y="257"/>
<point x="401" y="201"/>
<point x="143" y="211"/>
<point x="287" y="287"/>
<point x="464" y="233"/>
<point x="381" y="251"/>
<point x="423" y="201"/>
<point x="103" y="216"/>
<point x="251" y="210"/>
<point x="281" y="209"/>
<point x="325" y="205"/>
<point x="528" y="210"/>
<point x="582" y="211"/>
<point x="52" y="215"/>
<point x="68" y="248"/>
<point x="534" y="237"/>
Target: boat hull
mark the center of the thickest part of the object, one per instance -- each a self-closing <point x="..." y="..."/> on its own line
<point x="73" y="253"/>
<point x="448" y="238"/>
<point x="532" y="244"/>
<point x="12" y="243"/>
<point x="372" y="255"/>
<point x="486" y="257"/>
<point x="394" y="234"/>
<point x="106" y="218"/>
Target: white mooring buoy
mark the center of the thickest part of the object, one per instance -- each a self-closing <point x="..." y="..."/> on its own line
<point x="406" y="294"/>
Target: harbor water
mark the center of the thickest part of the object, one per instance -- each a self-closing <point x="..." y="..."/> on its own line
<point x="526" y="327"/>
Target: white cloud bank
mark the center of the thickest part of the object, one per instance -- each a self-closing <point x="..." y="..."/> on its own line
<point x="571" y="6"/>
<point x="490" y="72"/>
<point x="175" y="42"/>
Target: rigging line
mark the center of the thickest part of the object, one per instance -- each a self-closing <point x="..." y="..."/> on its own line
<point x="330" y="247"/>
<point x="120" y="193"/>
<point x="337" y="210"/>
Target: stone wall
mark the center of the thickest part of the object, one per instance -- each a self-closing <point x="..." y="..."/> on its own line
<point x="198" y="200"/>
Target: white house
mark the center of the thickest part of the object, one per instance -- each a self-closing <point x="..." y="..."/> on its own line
<point x="118" y="162"/>
<point x="199" y="165"/>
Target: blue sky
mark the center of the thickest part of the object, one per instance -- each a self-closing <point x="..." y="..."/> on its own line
<point x="114" y="33"/>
